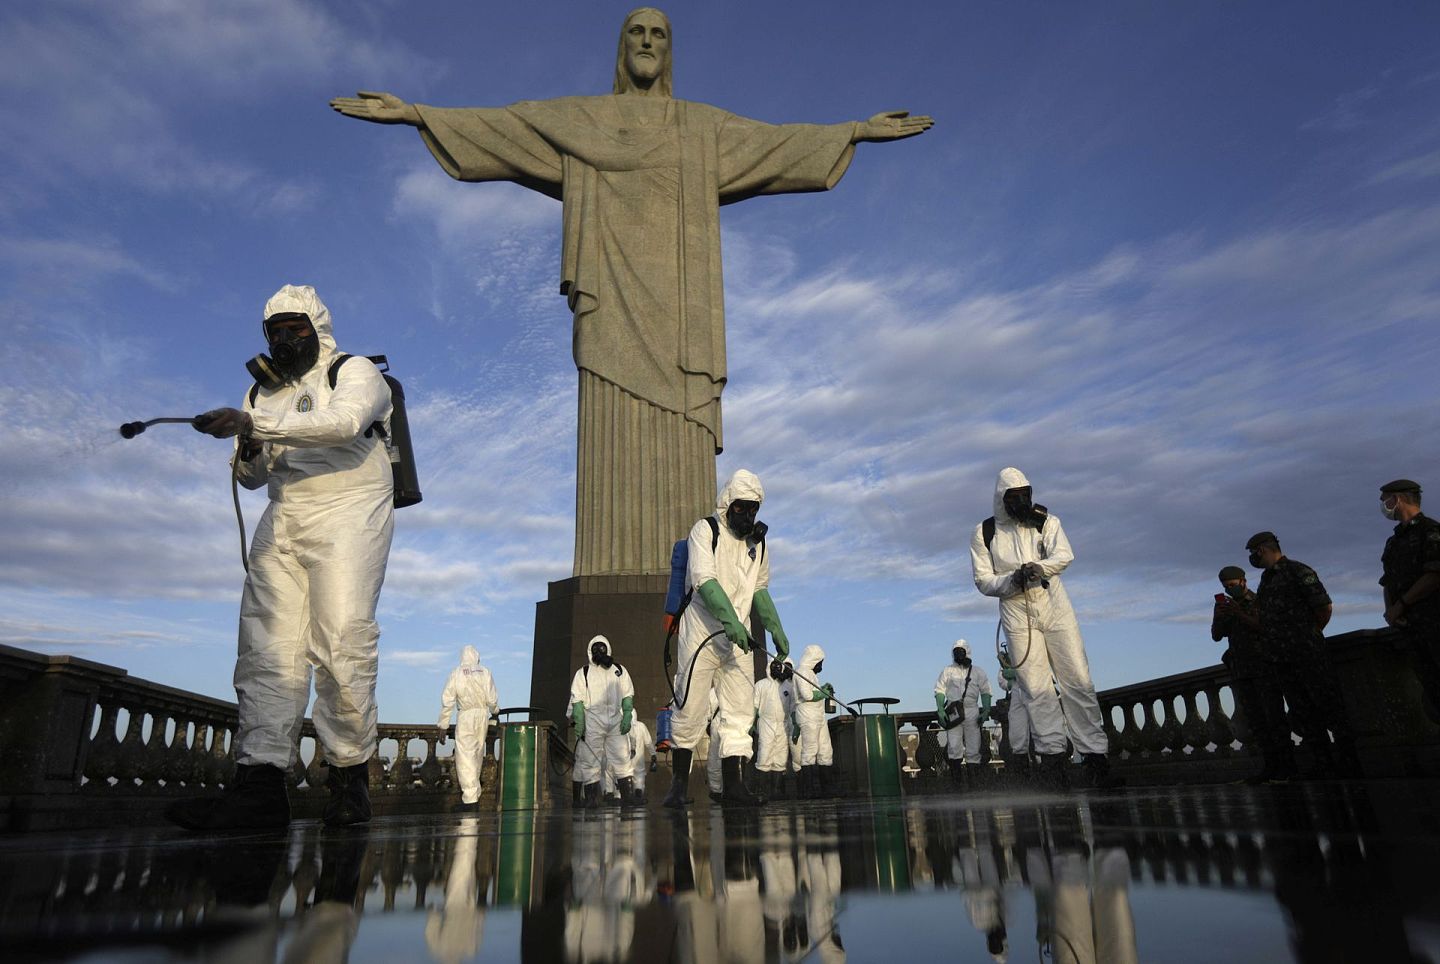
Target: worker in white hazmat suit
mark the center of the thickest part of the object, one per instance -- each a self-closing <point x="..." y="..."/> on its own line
<point x="602" y="706"/>
<point x="963" y="683"/>
<point x="815" y="750"/>
<point x="314" y="435"/>
<point x="775" y="723"/>
<point x="1018" y="556"/>
<point x="640" y="753"/>
<point x="470" y="690"/>
<point x="727" y="575"/>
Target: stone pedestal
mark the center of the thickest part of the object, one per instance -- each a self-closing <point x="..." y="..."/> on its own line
<point x="627" y="610"/>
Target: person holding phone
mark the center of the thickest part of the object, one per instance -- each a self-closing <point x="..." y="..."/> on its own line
<point x="1253" y="678"/>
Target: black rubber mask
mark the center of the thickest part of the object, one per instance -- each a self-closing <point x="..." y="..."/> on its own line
<point x="777" y="670"/>
<point x="1017" y="503"/>
<point x="291" y="354"/>
<point x="819" y="666"/>
<point x="600" y="655"/>
<point x="962" y="659"/>
<point x="740" y="516"/>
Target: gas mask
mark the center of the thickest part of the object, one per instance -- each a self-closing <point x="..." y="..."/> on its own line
<point x="819" y="666"/>
<point x="600" y="656"/>
<point x="740" y="517"/>
<point x="780" y="671"/>
<point x="962" y="658"/>
<point x="1019" y="507"/>
<point x="291" y="354"/>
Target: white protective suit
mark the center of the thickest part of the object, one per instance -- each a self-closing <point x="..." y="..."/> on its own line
<point x="774" y="702"/>
<point x="970" y="683"/>
<point x="471" y="690"/>
<point x="1017" y="721"/>
<point x="742" y="569"/>
<point x="639" y="747"/>
<point x="317" y="560"/>
<point x="814" y="730"/>
<point x="1039" y="625"/>
<point x="714" y="775"/>
<point x="601" y="690"/>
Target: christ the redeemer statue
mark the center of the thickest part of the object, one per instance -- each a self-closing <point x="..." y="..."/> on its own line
<point x="642" y="177"/>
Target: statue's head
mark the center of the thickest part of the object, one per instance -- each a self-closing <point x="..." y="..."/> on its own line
<point x="644" y="59"/>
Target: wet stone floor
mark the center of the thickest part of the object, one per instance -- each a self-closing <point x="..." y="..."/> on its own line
<point x="1305" y="872"/>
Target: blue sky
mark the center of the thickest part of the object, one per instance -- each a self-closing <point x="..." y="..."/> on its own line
<point x="1180" y="263"/>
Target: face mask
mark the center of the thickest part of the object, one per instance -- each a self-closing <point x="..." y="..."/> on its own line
<point x="961" y="659"/>
<point x="819" y="665"/>
<point x="1236" y="592"/>
<point x="601" y="656"/>
<point x="740" y="517"/>
<point x="777" y="670"/>
<point x="1255" y="561"/>
<point x="1390" y="511"/>
<point x="1018" y="504"/>
<point x="291" y="355"/>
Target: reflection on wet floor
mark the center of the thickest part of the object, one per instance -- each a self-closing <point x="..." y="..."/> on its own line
<point x="1319" y="872"/>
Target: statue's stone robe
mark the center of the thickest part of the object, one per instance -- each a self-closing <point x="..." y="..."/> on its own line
<point x="642" y="179"/>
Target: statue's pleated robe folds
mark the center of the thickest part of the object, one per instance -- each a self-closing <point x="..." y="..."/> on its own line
<point x="642" y="179"/>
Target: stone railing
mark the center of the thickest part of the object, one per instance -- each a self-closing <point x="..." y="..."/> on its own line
<point x="1187" y="728"/>
<point x="83" y="743"/>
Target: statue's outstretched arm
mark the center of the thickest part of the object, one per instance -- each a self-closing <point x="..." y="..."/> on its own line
<point x="378" y="108"/>
<point x="890" y="125"/>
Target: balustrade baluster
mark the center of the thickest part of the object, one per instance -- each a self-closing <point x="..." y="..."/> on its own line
<point x="127" y="763"/>
<point x="104" y="746"/>
<point x="1195" y="730"/>
<point x="1221" y="733"/>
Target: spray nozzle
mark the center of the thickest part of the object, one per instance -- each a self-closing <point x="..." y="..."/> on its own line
<point x="132" y="429"/>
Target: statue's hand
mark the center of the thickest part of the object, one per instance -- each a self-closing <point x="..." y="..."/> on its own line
<point x="891" y="125"/>
<point x="378" y="108"/>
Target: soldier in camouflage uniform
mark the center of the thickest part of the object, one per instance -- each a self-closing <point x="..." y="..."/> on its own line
<point x="1411" y="563"/>
<point x="1254" y="678"/>
<point x="1293" y="608"/>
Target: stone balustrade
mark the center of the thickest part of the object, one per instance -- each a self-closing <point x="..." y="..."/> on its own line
<point x="84" y="743"/>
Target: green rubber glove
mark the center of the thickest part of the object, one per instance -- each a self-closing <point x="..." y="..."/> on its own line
<point x="627" y="714"/>
<point x="577" y="713"/>
<point x="770" y="619"/>
<point x="984" y="707"/>
<point x="715" y="600"/>
<point x="1009" y="673"/>
<point x="940" y="708"/>
<point x="826" y="692"/>
<point x="794" y="728"/>
<point x="755" y="724"/>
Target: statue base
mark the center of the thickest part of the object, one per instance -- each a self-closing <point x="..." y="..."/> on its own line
<point x="627" y="610"/>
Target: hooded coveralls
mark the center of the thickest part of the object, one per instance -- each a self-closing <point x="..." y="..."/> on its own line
<point x="639" y="746"/>
<point x="814" y="733"/>
<point x="774" y="702"/>
<point x="318" y="557"/>
<point x="601" y="690"/>
<point x="1017" y="725"/>
<point x="952" y="685"/>
<point x="742" y="569"/>
<point x="1040" y="626"/>
<point x="471" y="690"/>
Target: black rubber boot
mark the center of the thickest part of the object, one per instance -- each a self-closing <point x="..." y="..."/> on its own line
<point x="625" y="786"/>
<point x="1097" y="772"/>
<point x="736" y="793"/>
<point x="1053" y="773"/>
<point x="577" y="794"/>
<point x="255" y="799"/>
<point x="592" y="796"/>
<point x="1017" y="768"/>
<point x="679" y="778"/>
<point x="957" y="771"/>
<point x="349" y="802"/>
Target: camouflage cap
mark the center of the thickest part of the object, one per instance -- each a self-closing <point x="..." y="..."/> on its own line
<point x="1262" y="538"/>
<point x="1400" y="485"/>
<point x="1231" y="572"/>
